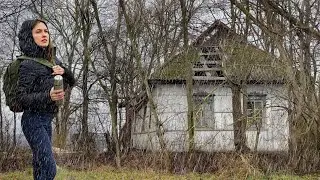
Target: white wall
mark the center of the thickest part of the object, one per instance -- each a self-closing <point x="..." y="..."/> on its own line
<point x="171" y="103"/>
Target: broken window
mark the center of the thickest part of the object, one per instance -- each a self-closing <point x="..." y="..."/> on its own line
<point x="204" y="110"/>
<point x="256" y="111"/>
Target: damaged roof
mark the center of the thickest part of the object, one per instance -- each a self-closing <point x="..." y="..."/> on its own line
<point x="237" y="59"/>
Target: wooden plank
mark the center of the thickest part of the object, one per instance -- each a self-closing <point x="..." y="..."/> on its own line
<point x="208" y="78"/>
<point x="207" y="69"/>
<point x="209" y="62"/>
<point x="210" y="53"/>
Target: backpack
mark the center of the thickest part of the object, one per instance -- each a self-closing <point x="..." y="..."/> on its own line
<point x="10" y="81"/>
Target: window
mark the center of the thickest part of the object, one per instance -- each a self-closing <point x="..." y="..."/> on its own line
<point x="204" y="110"/>
<point x="143" y="125"/>
<point x="256" y="111"/>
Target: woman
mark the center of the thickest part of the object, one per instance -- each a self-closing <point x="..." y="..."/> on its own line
<point x="36" y="94"/>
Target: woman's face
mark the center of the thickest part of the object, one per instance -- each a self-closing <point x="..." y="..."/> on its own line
<point x="40" y="34"/>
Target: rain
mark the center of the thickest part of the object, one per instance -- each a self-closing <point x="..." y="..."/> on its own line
<point x="159" y="89"/>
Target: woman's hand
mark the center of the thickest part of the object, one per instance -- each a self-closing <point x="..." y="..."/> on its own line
<point x="57" y="94"/>
<point x="57" y="70"/>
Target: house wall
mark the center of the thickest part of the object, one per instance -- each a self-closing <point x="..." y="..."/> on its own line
<point x="275" y="132"/>
<point x="171" y="103"/>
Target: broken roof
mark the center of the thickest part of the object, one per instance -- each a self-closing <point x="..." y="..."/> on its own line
<point x="240" y="61"/>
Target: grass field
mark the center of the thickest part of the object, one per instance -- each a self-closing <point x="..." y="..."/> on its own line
<point x="105" y="173"/>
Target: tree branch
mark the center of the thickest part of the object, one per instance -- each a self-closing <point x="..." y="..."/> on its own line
<point x="292" y="20"/>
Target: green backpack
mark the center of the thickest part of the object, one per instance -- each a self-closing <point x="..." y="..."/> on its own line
<point x="10" y="81"/>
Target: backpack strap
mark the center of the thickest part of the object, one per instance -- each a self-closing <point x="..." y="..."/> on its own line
<point x="39" y="60"/>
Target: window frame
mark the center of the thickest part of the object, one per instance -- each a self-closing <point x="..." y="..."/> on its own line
<point x="199" y="100"/>
<point x="253" y="123"/>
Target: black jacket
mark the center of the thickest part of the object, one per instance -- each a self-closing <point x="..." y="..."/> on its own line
<point x="34" y="85"/>
<point x="36" y="80"/>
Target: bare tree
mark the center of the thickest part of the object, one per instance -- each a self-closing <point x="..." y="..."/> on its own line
<point x="185" y="15"/>
<point x="12" y="23"/>
<point x="12" y="8"/>
<point x="86" y="28"/>
<point x="112" y="97"/>
<point x="301" y="69"/>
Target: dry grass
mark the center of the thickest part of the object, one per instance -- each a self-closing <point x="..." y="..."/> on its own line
<point x="102" y="173"/>
<point x="151" y="165"/>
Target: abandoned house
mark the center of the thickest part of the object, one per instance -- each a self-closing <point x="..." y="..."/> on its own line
<point x="225" y="67"/>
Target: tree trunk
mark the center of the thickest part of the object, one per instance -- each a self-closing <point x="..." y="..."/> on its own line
<point x="305" y="154"/>
<point x="62" y="122"/>
<point x="113" y="97"/>
<point x="113" y="111"/>
<point x="143" y="76"/>
<point x="125" y="136"/>
<point x="189" y="77"/>
<point x="85" y="140"/>
<point x="239" y="121"/>
<point x="85" y="107"/>
<point x="1" y="121"/>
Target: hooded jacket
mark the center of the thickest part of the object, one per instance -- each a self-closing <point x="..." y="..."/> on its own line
<point x="36" y="80"/>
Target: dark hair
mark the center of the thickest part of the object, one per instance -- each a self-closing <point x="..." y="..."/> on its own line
<point x="49" y="48"/>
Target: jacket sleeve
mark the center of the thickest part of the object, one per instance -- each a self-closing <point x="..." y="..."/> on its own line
<point x="68" y="76"/>
<point x="25" y="92"/>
